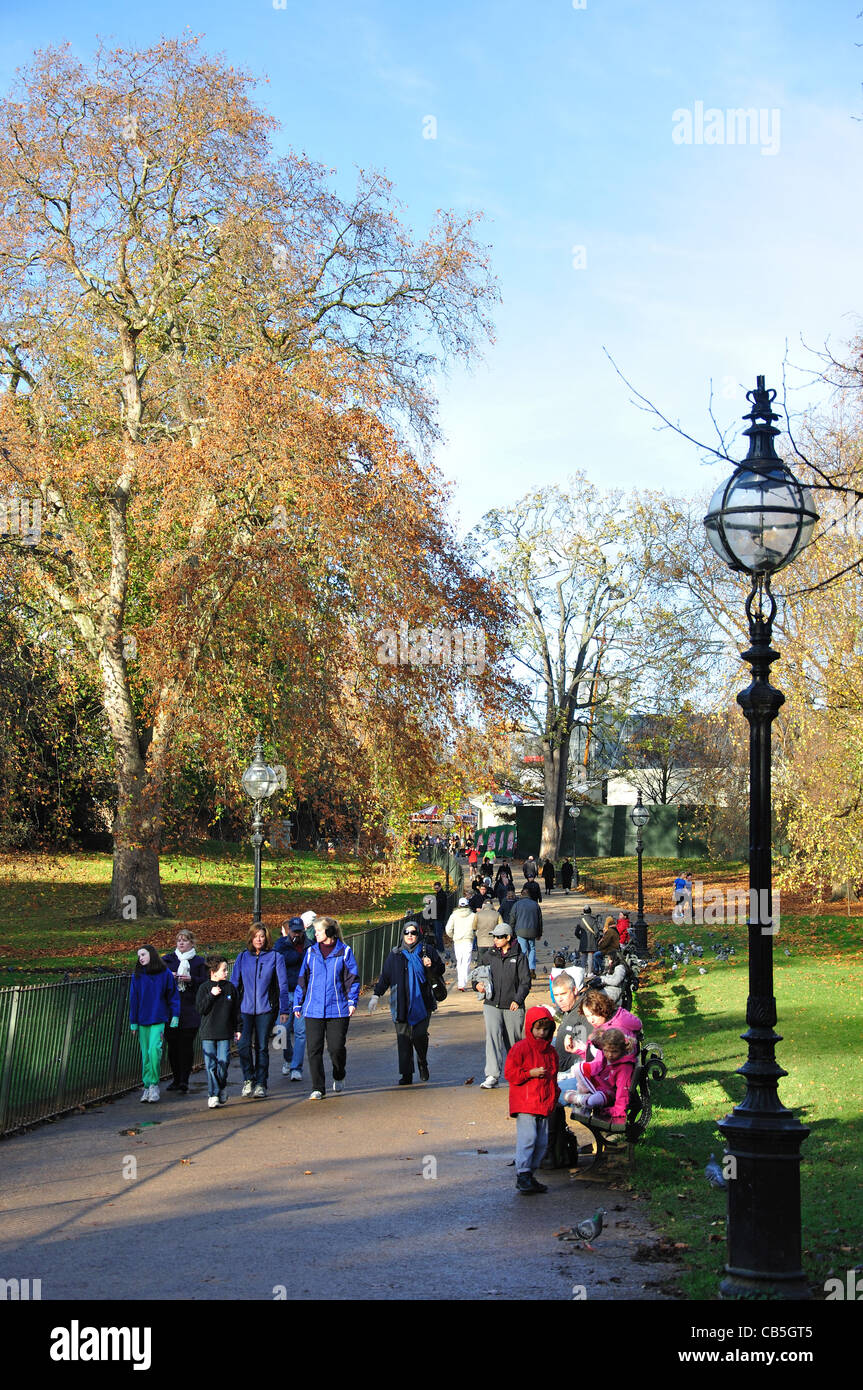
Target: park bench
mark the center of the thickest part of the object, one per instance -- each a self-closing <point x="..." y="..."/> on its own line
<point x="611" y="1134"/>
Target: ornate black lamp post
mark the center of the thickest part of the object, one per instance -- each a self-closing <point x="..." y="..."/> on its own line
<point x="574" y="813"/>
<point x="757" y="522"/>
<point x="259" y="782"/>
<point x="448" y="823"/>
<point x="639" y="815"/>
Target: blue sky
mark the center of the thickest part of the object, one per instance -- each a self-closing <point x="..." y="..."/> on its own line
<point x="699" y="260"/>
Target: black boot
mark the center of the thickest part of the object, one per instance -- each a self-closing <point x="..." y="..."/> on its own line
<point x="406" y="1081"/>
<point x="424" y="1071"/>
<point x="524" y="1184"/>
<point x="537" y="1186"/>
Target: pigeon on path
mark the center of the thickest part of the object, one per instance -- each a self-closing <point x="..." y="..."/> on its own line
<point x="591" y="1228"/>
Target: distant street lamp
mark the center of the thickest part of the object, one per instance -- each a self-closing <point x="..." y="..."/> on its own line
<point x="259" y="782"/>
<point x="574" y="813"/>
<point x="639" y="815"/>
<point x="448" y="823"/>
<point x="757" y="522"/>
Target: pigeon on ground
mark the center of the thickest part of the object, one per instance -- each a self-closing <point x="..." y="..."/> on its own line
<point x="701" y="970"/>
<point x="713" y="1173"/>
<point x="591" y="1228"/>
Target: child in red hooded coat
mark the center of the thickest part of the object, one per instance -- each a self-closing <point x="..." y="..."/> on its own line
<point x="531" y="1070"/>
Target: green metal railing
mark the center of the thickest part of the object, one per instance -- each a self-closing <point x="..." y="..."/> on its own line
<point x="68" y="1044"/>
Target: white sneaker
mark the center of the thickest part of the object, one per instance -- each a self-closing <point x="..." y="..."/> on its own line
<point x="145" y="1094"/>
<point x="316" y="1095"/>
<point x="213" y="1102"/>
<point x="247" y="1088"/>
<point x="154" y="1093"/>
<point x="296" y="1075"/>
<point x="338" y="1086"/>
<point x="489" y="1083"/>
<point x="286" y="1069"/>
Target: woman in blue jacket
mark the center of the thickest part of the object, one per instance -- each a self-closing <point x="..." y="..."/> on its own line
<point x="326" y="994"/>
<point x="260" y="975"/>
<point x="153" y="1001"/>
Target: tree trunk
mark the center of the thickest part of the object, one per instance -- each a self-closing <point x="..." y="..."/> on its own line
<point x="136" y="889"/>
<point x="555" y="770"/>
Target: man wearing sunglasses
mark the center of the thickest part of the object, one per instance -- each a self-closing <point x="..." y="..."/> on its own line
<point x="409" y="973"/>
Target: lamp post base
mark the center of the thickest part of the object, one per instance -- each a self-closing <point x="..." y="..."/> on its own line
<point x="762" y="1167"/>
<point x="638" y="937"/>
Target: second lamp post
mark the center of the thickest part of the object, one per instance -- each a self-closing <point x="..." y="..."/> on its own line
<point x="259" y="782"/>
<point x="639" y="815"/>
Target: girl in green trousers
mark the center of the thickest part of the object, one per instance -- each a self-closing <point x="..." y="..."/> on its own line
<point x="154" y="1000"/>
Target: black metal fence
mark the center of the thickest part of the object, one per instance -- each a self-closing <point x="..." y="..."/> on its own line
<point x="68" y="1044"/>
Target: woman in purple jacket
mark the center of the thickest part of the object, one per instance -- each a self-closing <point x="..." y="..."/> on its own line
<point x="328" y="987"/>
<point x="261" y="977"/>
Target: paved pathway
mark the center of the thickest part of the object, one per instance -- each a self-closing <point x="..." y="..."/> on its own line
<point x="329" y="1199"/>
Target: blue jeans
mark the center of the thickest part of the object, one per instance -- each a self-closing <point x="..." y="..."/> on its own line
<point x="216" y="1056"/>
<point x="253" y="1047"/>
<point x="531" y="1142"/>
<point x="438" y="936"/>
<point x="297" y="1026"/>
<point x="529" y="947"/>
<point x="597" y="962"/>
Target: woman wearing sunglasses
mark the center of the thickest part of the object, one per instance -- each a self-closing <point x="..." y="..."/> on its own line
<point x="410" y="973"/>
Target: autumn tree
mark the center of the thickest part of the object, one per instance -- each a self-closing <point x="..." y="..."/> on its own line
<point x="213" y="366"/>
<point x="574" y="565"/>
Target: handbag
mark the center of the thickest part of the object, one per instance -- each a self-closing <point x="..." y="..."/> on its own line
<point x="439" y="991"/>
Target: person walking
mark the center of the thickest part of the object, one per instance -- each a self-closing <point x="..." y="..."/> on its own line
<point x="292" y="946"/>
<point x="548" y="875"/>
<point x="461" y="929"/>
<point x="487" y="919"/>
<point x="526" y="922"/>
<point x="189" y="972"/>
<point x="262" y="980"/>
<point x="566" y="872"/>
<point x="410" y="973"/>
<point x="326" y="994"/>
<point x="218" y="1004"/>
<point x="585" y="935"/>
<point x="529" y="868"/>
<point x="504" y="1013"/>
<point x="441" y="913"/>
<point x="153" y="1001"/>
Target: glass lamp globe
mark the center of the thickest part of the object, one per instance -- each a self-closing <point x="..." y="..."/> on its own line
<point x="760" y="519"/>
<point x="639" y="815"/>
<point x="259" y="780"/>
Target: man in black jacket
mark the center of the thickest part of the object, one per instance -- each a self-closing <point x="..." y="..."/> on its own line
<point x="504" y="1013"/>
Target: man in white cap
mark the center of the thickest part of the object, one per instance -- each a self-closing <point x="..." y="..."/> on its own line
<point x="461" y="928"/>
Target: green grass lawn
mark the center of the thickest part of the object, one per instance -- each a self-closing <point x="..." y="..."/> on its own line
<point x="49" y="903"/>
<point x="698" y="1020"/>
